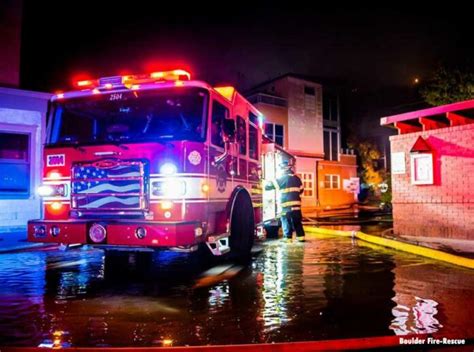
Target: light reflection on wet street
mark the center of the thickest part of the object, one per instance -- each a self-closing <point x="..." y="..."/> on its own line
<point x="323" y="289"/>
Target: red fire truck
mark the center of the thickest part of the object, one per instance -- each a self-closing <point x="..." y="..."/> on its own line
<point x="155" y="161"/>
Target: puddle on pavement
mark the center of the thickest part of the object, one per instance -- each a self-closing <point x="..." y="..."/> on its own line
<point x="322" y="289"/>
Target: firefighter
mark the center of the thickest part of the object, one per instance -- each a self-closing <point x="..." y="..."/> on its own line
<point x="290" y="188"/>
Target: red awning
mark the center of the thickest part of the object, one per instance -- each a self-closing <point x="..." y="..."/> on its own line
<point x="449" y="115"/>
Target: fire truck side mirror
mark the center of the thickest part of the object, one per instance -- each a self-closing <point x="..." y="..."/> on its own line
<point x="228" y="130"/>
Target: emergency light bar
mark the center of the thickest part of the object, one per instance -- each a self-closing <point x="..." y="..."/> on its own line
<point x="131" y="81"/>
<point x="114" y="81"/>
<point x="85" y="83"/>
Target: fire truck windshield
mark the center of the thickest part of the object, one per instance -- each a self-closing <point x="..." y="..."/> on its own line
<point x="132" y="116"/>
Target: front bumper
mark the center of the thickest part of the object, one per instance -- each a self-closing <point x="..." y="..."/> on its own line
<point x="119" y="232"/>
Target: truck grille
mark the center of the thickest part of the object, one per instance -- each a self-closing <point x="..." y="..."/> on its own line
<point x="108" y="185"/>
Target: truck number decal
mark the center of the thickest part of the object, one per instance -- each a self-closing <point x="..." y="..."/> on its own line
<point x="115" y="96"/>
<point x="55" y="160"/>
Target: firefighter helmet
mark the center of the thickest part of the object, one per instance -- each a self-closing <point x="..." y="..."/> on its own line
<point x="286" y="165"/>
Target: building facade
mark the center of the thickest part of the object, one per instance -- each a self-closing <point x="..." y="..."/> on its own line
<point x="304" y="118"/>
<point x="22" y="131"/>
<point x="433" y="172"/>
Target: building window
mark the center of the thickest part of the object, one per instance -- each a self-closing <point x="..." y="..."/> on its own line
<point x="242" y="135"/>
<point x="330" y="109"/>
<point x="275" y="132"/>
<point x="331" y="181"/>
<point x="310" y="98"/>
<point x="331" y="145"/>
<point x="14" y="165"/>
<point x="309" y="90"/>
<point x="253" y="142"/>
<point x="219" y="113"/>
<point x="307" y="178"/>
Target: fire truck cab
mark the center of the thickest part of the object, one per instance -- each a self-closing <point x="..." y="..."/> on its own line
<point x="152" y="161"/>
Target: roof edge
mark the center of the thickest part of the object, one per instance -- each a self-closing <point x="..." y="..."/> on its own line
<point x="437" y="110"/>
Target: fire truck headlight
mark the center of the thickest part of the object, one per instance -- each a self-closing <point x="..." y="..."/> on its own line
<point x="52" y="190"/>
<point x="169" y="188"/>
<point x="168" y="169"/>
<point x="45" y="190"/>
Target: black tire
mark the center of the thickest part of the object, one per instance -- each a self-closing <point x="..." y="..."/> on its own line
<point x="242" y="226"/>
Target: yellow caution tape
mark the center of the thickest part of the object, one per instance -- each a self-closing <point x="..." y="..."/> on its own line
<point x="401" y="246"/>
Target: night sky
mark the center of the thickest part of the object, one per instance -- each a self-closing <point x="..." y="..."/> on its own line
<point x="237" y="42"/>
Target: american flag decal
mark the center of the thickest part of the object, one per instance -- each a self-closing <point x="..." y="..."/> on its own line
<point x="116" y="187"/>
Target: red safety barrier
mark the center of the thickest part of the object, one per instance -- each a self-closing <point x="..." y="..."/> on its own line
<point x="365" y="343"/>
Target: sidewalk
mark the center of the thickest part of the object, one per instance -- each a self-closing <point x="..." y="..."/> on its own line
<point x="462" y="248"/>
<point x="16" y="240"/>
<point x="397" y="244"/>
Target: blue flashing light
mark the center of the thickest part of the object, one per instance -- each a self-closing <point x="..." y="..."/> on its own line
<point x="168" y="169"/>
<point x="261" y="119"/>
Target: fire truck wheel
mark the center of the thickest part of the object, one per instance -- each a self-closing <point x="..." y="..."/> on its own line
<point x="242" y="226"/>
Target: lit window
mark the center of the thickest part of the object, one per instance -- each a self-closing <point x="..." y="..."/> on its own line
<point x="331" y="181"/>
<point x="307" y="178"/>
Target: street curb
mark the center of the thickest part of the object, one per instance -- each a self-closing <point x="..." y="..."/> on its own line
<point x="401" y="246"/>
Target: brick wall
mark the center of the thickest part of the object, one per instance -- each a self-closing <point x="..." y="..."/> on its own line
<point x="446" y="208"/>
<point x="305" y="117"/>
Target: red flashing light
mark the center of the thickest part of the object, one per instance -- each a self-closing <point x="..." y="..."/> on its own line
<point x="54" y="175"/>
<point x="174" y="75"/>
<point x="84" y="83"/>
<point x="133" y="81"/>
<point x="56" y="206"/>
<point x="157" y="74"/>
<point x="182" y="73"/>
